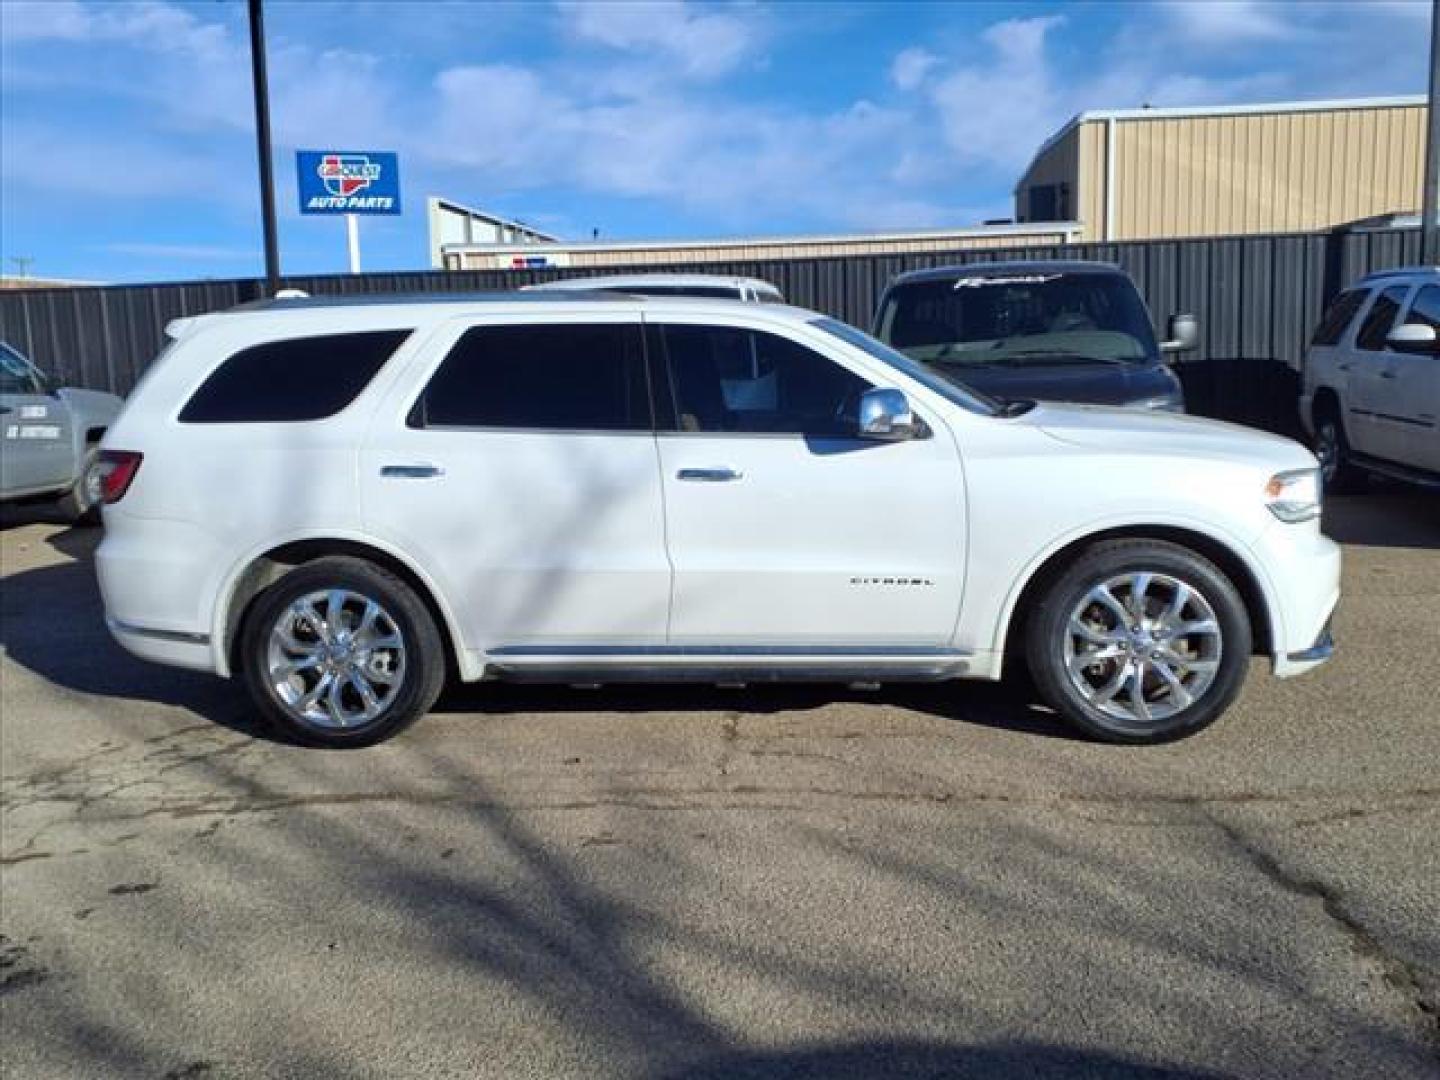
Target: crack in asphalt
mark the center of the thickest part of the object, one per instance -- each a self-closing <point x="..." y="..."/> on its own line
<point x="1407" y="980"/>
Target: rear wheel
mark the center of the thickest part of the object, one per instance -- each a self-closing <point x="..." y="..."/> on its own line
<point x="1140" y="641"/>
<point x="81" y="504"/>
<point x="1332" y="448"/>
<point x="341" y="653"/>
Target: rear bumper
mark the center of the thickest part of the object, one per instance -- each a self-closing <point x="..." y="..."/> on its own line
<point x="156" y="581"/>
<point x="164" y="646"/>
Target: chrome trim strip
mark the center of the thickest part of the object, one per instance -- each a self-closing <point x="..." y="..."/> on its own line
<point x="722" y="651"/>
<point x="178" y="636"/>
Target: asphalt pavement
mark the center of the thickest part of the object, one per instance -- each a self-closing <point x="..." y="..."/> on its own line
<point x="686" y="883"/>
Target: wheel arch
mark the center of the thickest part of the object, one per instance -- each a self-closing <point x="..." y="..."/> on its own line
<point x="1225" y="555"/>
<point x="264" y="569"/>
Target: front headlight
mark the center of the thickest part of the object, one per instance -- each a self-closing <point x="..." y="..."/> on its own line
<point x="1164" y="402"/>
<point x="1294" y="495"/>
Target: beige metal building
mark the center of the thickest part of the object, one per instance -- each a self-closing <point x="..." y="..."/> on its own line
<point x="460" y="256"/>
<point x="1134" y="174"/>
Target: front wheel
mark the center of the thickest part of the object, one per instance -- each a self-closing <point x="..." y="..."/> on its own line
<point x="341" y="653"/>
<point x="1337" y="475"/>
<point x="1140" y="641"/>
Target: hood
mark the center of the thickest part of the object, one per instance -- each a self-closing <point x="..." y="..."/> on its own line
<point x="1102" y="428"/>
<point x="1098" y="383"/>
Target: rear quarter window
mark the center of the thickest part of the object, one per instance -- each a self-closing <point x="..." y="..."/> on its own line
<point x="292" y="380"/>
<point x="1337" y="317"/>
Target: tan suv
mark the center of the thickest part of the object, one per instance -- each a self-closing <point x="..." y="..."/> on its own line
<point x="1371" y="382"/>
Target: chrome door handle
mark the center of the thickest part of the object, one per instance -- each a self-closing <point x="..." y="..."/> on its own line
<point x="411" y="472"/>
<point x="712" y="476"/>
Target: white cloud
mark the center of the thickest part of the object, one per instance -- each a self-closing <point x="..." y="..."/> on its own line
<point x="909" y="68"/>
<point x="1235" y="21"/>
<point x="996" y="112"/>
<point x="703" y="43"/>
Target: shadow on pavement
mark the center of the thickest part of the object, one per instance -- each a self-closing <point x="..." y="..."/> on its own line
<point x="926" y="1061"/>
<point x="1386" y="515"/>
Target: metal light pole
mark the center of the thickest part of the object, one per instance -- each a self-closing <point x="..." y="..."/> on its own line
<point x="262" y="141"/>
<point x="1429" y="221"/>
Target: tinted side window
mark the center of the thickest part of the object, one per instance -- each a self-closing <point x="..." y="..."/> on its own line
<point x="1379" y="319"/>
<point x="287" y="381"/>
<point x="576" y="377"/>
<point x="1425" y="309"/>
<point x="1337" y="317"/>
<point x="729" y="379"/>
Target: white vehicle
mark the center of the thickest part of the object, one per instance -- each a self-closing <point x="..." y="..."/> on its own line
<point x="1370" y="394"/>
<point x="715" y="286"/>
<point x="338" y="501"/>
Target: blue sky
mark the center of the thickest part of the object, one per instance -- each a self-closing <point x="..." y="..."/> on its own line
<point x="127" y="146"/>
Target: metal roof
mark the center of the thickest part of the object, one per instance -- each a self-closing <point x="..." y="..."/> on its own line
<point x="1015" y="229"/>
<point x="1008" y="269"/>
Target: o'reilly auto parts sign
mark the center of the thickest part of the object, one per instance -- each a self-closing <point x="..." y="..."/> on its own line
<point x="348" y="181"/>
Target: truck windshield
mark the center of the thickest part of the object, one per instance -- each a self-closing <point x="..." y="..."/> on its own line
<point x="950" y="390"/>
<point x="1021" y="319"/>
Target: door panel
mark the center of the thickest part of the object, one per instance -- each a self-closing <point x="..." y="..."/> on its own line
<point x="783" y="527"/>
<point x="538" y="534"/>
<point x="816" y="542"/>
<point x="1408" y="403"/>
<point x="37" y="445"/>
<point x="1370" y="379"/>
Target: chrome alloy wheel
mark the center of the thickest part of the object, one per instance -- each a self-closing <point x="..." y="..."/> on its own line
<point x="335" y="659"/>
<point x="1141" y="647"/>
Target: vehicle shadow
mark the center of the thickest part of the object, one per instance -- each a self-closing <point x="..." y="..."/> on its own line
<point x="52" y="622"/>
<point x="1384" y="515"/>
<point x="925" y="1061"/>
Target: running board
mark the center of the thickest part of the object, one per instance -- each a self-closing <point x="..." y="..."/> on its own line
<point x="1391" y="471"/>
<point x="592" y="665"/>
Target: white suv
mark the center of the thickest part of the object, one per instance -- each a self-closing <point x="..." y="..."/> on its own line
<point x="1370" y="394"/>
<point x="339" y="501"/>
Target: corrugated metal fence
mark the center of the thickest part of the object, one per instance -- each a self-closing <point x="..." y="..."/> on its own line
<point x="1256" y="297"/>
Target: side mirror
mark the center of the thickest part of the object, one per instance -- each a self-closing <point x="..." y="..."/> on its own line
<point x="886" y="417"/>
<point x="1182" y="334"/>
<point x="1412" y="338"/>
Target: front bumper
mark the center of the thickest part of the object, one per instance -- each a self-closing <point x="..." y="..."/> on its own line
<point x="1304" y="569"/>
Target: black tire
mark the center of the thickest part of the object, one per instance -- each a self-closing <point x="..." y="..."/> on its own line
<point x="422" y="674"/>
<point x="1048" y="635"/>
<point x="81" y="504"/>
<point x="1338" y="473"/>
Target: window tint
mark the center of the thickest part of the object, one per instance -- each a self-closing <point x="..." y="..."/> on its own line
<point x="1337" y="317"/>
<point x="1379" y="319"/>
<point x="576" y="377"/>
<point x="1426" y="307"/>
<point x="728" y="379"/>
<point x="297" y="379"/>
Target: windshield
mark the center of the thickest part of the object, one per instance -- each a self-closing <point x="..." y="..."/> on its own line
<point x="1020" y="319"/>
<point x="960" y="395"/>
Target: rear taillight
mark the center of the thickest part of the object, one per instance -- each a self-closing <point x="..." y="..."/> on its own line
<point x="117" y="472"/>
